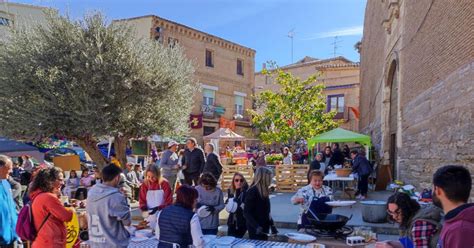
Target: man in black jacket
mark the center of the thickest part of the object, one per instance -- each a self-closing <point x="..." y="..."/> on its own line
<point x="362" y="167"/>
<point x="194" y="161"/>
<point x="213" y="164"/>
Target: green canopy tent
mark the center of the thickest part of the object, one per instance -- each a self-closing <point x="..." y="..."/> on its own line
<point x="340" y="135"/>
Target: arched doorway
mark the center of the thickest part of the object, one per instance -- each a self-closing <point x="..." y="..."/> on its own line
<point x="393" y="84"/>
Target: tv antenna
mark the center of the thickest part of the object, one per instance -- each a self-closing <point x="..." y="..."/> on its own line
<point x="335" y="46"/>
<point x="291" y="35"/>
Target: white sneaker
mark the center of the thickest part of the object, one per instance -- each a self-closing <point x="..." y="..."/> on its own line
<point x="362" y="197"/>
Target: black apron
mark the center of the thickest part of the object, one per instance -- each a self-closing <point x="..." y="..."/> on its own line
<point x="318" y="206"/>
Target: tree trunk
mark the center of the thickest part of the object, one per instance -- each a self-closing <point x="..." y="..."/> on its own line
<point x="89" y="144"/>
<point x="120" y="147"/>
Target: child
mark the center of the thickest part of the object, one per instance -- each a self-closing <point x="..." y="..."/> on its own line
<point x="84" y="184"/>
<point x="213" y="198"/>
<point x="72" y="183"/>
<point x="313" y="198"/>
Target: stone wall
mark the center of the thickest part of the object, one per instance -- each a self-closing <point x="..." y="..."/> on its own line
<point x="438" y="128"/>
<point x="430" y="42"/>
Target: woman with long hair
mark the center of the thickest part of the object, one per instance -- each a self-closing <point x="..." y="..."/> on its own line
<point x="178" y="224"/>
<point x="48" y="211"/>
<point x="155" y="194"/>
<point x="236" y="223"/>
<point x="287" y="156"/>
<point x="257" y="206"/>
<point x="419" y="227"/>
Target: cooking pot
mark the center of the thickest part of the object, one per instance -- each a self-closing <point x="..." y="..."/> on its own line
<point x="328" y="221"/>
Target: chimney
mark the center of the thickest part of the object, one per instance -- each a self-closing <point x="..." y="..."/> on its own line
<point x="264" y="66"/>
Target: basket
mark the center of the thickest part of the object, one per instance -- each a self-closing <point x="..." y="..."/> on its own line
<point x="343" y="172"/>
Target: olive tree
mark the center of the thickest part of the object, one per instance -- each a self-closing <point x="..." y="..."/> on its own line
<point x="86" y="79"/>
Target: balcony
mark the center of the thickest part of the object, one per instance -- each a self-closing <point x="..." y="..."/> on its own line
<point x="343" y="115"/>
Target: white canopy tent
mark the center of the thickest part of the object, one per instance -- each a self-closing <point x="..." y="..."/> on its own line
<point x="222" y="134"/>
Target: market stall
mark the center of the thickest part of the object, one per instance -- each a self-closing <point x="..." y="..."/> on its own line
<point x="14" y="148"/>
<point x="229" y="145"/>
<point x="340" y="135"/>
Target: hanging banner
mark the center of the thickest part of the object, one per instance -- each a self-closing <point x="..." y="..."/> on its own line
<point x="224" y="123"/>
<point x="355" y="111"/>
<point x="195" y="121"/>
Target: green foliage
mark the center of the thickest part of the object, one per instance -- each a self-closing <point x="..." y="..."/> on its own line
<point x="297" y="111"/>
<point x="272" y="158"/>
<point x="77" y="78"/>
<point x="86" y="79"/>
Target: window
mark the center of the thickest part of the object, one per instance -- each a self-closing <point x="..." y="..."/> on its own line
<point x="336" y="103"/>
<point x="240" y="67"/>
<point x="208" y="130"/>
<point x="208" y="97"/>
<point x="209" y="59"/>
<point x="267" y="79"/>
<point x="4" y="21"/>
<point x="172" y="42"/>
<point x="239" y="105"/>
<point x="158" y="35"/>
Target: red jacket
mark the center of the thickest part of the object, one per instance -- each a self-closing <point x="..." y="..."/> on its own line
<point x="458" y="228"/>
<point x="163" y="185"/>
<point x="53" y="232"/>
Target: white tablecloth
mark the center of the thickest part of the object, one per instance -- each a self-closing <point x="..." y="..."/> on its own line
<point x="153" y="243"/>
<point x="334" y="177"/>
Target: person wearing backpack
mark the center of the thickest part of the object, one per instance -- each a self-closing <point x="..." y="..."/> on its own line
<point x="8" y="215"/>
<point x="49" y="214"/>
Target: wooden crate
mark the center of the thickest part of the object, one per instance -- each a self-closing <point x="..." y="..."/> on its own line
<point x="228" y="172"/>
<point x="289" y="178"/>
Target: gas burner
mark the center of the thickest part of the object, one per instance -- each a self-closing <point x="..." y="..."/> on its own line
<point x="340" y="233"/>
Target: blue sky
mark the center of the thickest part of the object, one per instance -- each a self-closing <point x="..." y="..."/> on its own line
<point x="262" y="25"/>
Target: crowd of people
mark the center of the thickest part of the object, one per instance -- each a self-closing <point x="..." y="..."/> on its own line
<point x="182" y="209"/>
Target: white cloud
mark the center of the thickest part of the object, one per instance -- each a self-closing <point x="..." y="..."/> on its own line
<point x="348" y="31"/>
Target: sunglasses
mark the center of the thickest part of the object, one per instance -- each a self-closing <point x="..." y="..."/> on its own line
<point x="239" y="180"/>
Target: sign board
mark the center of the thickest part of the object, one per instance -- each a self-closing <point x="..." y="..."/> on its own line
<point x="67" y="162"/>
<point x="140" y="148"/>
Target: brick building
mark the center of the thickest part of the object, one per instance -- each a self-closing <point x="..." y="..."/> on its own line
<point x="19" y="16"/>
<point x="339" y="75"/>
<point x="417" y="85"/>
<point x="224" y="69"/>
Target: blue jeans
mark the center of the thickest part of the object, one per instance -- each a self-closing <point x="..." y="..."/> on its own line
<point x="209" y="231"/>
